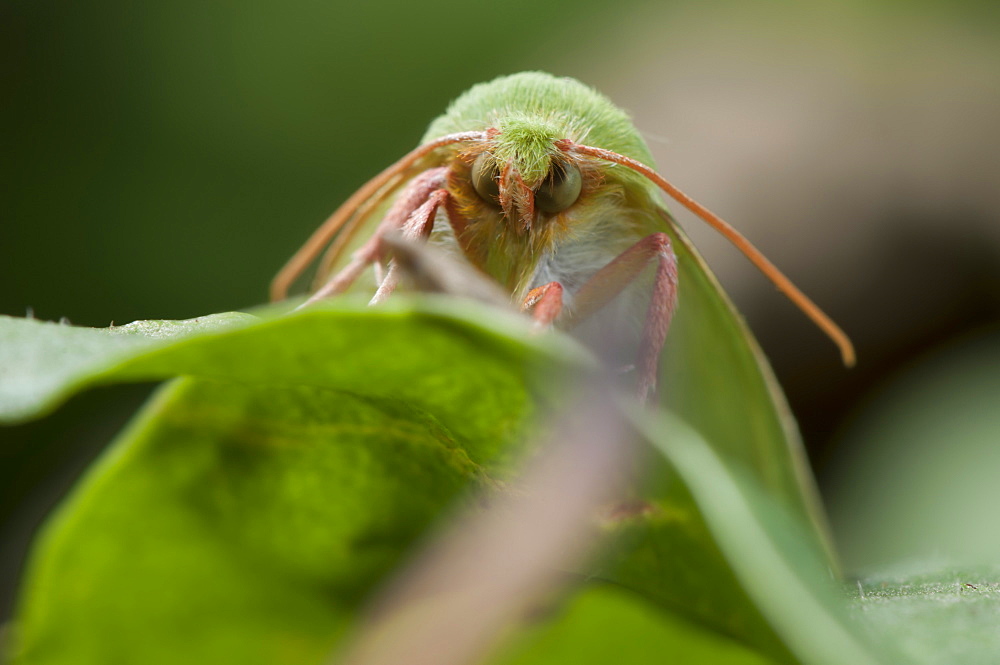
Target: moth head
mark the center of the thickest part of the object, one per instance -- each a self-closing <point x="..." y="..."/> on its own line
<point x="558" y="190"/>
<point x="522" y="172"/>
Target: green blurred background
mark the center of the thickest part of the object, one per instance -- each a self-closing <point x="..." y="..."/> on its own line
<point x="162" y="160"/>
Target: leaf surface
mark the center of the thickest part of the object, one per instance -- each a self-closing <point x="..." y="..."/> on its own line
<point x="251" y="507"/>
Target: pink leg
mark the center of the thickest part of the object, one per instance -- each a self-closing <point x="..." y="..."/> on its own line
<point x="418" y="226"/>
<point x="409" y="201"/>
<point x="545" y="303"/>
<point x="612" y="279"/>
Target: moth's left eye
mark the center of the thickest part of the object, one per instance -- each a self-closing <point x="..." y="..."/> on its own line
<point x="484" y="179"/>
<point x="560" y="189"/>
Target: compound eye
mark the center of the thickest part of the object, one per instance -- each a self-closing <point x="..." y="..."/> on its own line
<point x="560" y="189"/>
<point x="485" y="179"/>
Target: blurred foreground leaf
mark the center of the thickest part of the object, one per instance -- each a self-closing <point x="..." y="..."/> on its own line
<point x="603" y="624"/>
<point x="249" y="509"/>
<point x="224" y="527"/>
<point x="440" y="357"/>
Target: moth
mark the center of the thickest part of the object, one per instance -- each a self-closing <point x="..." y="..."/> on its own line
<point x="544" y="186"/>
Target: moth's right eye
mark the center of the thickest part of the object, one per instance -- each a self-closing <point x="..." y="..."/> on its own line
<point x="561" y="189"/>
<point x="485" y="179"/>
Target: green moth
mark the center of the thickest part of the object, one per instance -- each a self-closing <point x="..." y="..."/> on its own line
<point x="543" y="185"/>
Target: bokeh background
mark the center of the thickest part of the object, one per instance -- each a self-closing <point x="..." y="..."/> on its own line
<point x="162" y="160"/>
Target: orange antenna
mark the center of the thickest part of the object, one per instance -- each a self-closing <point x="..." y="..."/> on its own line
<point x="785" y="285"/>
<point x="349" y="229"/>
<point x="328" y="229"/>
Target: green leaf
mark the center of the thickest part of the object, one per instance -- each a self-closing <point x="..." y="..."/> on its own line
<point x="602" y="624"/>
<point x="42" y="363"/>
<point x="439" y="356"/>
<point x="264" y="488"/>
<point x="236" y="523"/>
<point x="276" y="489"/>
<point x="947" y="615"/>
